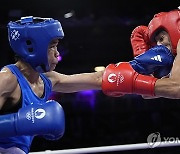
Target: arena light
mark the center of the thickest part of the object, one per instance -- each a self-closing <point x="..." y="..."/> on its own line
<point x="69" y="14"/>
<point x="99" y="68"/>
<point x="86" y="97"/>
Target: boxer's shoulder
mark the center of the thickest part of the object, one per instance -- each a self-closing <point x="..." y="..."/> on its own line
<point x="8" y="80"/>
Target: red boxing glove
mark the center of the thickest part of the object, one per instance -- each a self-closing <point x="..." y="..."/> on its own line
<point x="140" y="40"/>
<point x="121" y="78"/>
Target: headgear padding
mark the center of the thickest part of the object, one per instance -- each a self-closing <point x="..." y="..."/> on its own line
<point x="168" y="21"/>
<point x="30" y="37"/>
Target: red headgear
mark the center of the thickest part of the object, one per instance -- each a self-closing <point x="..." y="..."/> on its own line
<point x="168" y="21"/>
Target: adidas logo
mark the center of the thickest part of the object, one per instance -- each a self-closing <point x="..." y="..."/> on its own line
<point x="157" y="58"/>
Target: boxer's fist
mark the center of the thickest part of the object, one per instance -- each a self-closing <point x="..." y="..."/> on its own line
<point x="157" y="61"/>
<point x="36" y="119"/>
<point x="121" y="79"/>
<point x="140" y="40"/>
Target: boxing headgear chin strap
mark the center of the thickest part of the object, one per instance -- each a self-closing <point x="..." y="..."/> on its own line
<point x="30" y="37"/>
<point x="168" y="21"/>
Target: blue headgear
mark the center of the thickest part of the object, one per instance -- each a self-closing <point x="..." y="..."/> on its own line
<point x="30" y="37"/>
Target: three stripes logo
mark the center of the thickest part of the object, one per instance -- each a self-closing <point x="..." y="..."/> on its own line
<point x="157" y="58"/>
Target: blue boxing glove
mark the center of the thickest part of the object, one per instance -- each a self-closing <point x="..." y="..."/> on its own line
<point x="157" y="61"/>
<point x="36" y="119"/>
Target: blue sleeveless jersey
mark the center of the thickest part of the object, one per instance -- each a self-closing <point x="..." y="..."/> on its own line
<point x="27" y="97"/>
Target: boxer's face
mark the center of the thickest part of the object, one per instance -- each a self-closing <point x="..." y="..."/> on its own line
<point x="53" y="54"/>
<point x="163" y="38"/>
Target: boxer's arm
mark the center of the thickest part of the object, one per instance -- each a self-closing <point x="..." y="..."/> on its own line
<point x="170" y="87"/>
<point x="77" y="82"/>
<point x="8" y="83"/>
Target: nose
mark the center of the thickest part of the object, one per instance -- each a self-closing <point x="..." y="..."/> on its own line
<point x="57" y="54"/>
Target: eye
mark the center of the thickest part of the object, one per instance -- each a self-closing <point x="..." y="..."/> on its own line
<point x="52" y="47"/>
<point x="161" y="38"/>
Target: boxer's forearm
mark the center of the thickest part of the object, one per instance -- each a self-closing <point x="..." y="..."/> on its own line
<point x="77" y="82"/>
<point x="168" y="88"/>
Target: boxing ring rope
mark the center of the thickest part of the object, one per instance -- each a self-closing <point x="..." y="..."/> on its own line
<point x="113" y="148"/>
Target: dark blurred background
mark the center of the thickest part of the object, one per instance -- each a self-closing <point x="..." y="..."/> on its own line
<point x="97" y="32"/>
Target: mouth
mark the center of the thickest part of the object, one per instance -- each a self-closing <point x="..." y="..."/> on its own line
<point x="55" y="62"/>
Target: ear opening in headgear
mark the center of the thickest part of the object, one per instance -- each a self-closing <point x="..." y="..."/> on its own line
<point x="29" y="44"/>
